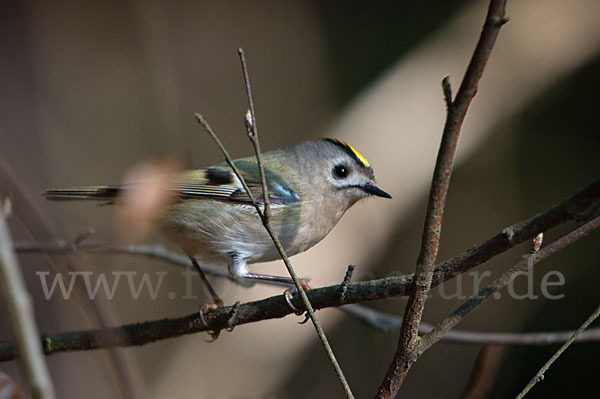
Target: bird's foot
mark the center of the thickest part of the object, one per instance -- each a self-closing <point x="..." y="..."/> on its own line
<point x="289" y="294"/>
<point x="209" y="307"/>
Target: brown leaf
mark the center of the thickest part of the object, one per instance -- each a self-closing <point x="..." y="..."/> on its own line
<point x="139" y="207"/>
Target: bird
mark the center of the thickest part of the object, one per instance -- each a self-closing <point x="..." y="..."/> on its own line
<point x="310" y="185"/>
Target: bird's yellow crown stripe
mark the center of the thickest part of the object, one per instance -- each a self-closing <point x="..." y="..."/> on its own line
<point x="358" y="155"/>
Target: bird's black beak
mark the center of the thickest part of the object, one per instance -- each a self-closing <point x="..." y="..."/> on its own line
<point x="374" y="190"/>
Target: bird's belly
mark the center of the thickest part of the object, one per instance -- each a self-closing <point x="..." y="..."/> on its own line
<point x="213" y="231"/>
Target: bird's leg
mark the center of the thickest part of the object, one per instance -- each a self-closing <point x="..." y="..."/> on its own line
<point x="217" y="301"/>
<point x="278" y="279"/>
<point x="239" y="269"/>
<point x="215" y="297"/>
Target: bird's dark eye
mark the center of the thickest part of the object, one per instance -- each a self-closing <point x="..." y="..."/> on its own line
<point x="340" y="171"/>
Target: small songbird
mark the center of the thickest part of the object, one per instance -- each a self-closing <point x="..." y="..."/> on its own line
<point x="310" y="186"/>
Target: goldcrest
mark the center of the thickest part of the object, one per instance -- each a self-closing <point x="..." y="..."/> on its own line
<point x="310" y="186"/>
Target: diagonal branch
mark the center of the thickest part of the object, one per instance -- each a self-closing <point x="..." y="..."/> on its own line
<point x="278" y="245"/>
<point x="459" y="314"/>
<point x="229" y="161"/>
<point x="539" y="376"/>
<point x="387" y="323"/>
<point x="456" y="112"/>
<point x="22" y="320"/>
<point x="252" y="130"/>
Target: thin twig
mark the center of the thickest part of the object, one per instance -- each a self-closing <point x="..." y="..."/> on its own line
<point x="252" y="131"/>
<point x="93" y="312"/>
<point x="266" y="217"/>
<point x="447" y="91"/>
<point x="286" y="261"/>
<point x="459" y="314"/>
<point x="251" y="312"/>
<point x="540" y="374"/>
<point x="574" y="208"/>
<point x="229" y="161"/>
<point x="388" y="323"/>
<point x="345" y="282"/>
<point x="456" y="112"/>
<point x="20" y="309"/>
<point x="152" y="251"/>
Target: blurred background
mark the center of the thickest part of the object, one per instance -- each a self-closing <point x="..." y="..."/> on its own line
<point x="90" y="90"/>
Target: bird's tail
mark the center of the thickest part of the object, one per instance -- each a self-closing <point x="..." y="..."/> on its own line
<point x="98" y="193"/>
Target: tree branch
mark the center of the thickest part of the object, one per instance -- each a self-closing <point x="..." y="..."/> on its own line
<point x="22" y="320"/>
<point x="252" y="130"/>
<point x="387" y="323"/>
<point x="264" y="216"/>
<point x="573" y="208"/>
<point x="459" y="314"/>
<point x="540" y="374"/>
<point x="456" y="112"/>
<point x="151" y="251"/>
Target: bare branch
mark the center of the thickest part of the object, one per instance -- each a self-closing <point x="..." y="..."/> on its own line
<point x="252" y="130"/>
<point x="229" y="161"/>
<point x="152" y="251"/>
<point x="456" y="112"/>
<point x="447" y="91"/>
<point x="93" y="312"/>
<point x="346" y="281"/>
<point x="459" y="314"/>
<point x="281" y="250"/>
<point x="574" y="208"/>
<point x="22" y="321"/>
<point x="540" y="374"/>
<point x="389" y="323"/>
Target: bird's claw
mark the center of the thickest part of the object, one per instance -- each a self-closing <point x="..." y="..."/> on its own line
<point x="232" y="317"/>
<point x="288" y="295"/>
<point x="209" y="307"/>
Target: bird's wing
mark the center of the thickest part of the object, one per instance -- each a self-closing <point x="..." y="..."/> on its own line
<point x="217" y="183"/>
<point x="220" y="183"/>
